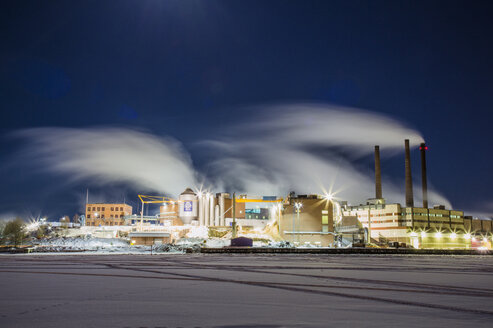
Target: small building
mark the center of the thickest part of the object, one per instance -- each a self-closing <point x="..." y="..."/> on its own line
<point x="107" y="214"/>
<point x="149" y="238"/>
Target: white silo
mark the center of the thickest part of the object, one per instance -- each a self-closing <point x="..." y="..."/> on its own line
<point x="188" y="206"/>
<point x="222" y="210"/>
<point x="211" y="210"/>
<point x="200" y="196"/>
<point x="216" y="216"/>
<point x="206" y="209"/>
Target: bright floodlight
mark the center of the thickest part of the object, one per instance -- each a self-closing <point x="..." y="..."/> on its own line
<point x="453" y="235"/>
<point x="467" y="236"/>
<point x="423" y="234"/>
<point x="329" y="197"/>
<point x="414" y="234"/>
<point x="438" y="234"/>
<point x="298" y="205"/>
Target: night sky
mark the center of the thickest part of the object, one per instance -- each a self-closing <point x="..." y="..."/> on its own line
<point x="173" y="67"/>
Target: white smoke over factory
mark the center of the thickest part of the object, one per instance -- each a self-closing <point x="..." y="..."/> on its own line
<point x="284" y="148"/>
<point x="296" y="147"/>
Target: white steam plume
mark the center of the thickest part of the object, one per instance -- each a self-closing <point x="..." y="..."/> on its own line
<point x="284" y="148"/>
<point x="295" y="147"/>
<point x="106" y="155"/>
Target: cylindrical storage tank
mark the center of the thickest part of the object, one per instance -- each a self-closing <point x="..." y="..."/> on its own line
<point x="221" y="210"/>
<point x="216" y="216"/>
<point x="201" y="209"/>
<point x="206" y="209"/>
<point x="188" y="206"/>
<point x="211" y="210"/>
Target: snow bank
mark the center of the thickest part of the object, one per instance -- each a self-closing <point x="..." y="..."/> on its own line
<point x="82" y="244"/>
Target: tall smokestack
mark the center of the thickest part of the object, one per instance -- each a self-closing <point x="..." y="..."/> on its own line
<point x="378" y="174"/>
<point x="424" y="183"/>
<point x="409" y="179"/>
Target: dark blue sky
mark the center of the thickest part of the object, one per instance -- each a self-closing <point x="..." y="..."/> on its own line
<point x="158" y="64"/>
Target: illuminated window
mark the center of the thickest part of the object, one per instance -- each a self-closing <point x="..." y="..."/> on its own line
<point x="99" y="208"/>
<point x="112" y="209"/>
<point x="325" y="228"/>
<point x="325" y="212"/>
<point x="121" y="208"/>
<point x="325" y="219"/>
<point x="102" y="208"/>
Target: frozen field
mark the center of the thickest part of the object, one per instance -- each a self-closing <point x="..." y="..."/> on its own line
<point x="197" y="290"/>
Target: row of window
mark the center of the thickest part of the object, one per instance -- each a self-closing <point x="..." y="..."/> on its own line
<point x="116" y="216"/>
<point x="108" y="223"/>
<point x="103" y="209"/>
<point x="434" y="215"/>
<point x="431" y="221"/>
<point x="251" y="216"/>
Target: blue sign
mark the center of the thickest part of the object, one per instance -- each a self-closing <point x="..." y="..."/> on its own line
<point x="188" y="206"/>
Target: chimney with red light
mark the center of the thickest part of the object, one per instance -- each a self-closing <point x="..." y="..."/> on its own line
<point x="424" y="183"/>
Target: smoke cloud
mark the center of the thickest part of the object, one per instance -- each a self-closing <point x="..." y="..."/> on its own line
<point x="269" y="150"/>
<point x="309" y="149"/>
<point x="107" y="155"/>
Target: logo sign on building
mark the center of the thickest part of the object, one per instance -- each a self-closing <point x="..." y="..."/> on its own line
<point x="187" y="206"/>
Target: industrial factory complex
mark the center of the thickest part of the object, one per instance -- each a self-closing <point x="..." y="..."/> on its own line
<point x="302" y="220"/>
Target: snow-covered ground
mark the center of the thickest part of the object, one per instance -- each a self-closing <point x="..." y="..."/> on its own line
<point x="227" y="290"/>
<point x="109" y="240"/>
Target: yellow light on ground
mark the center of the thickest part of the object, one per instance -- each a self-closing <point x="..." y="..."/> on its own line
<point x="467" y="236"/>
<point x="453" y="235"/>
<point x="423" y="234"/>
<point x="438" y="234"/>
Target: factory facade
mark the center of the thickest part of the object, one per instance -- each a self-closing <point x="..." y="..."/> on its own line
<point x="307" y="219"/>
<point x="107" y="214"/>
<point x="206" y="209"/>
<point x="419" y="227"/>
